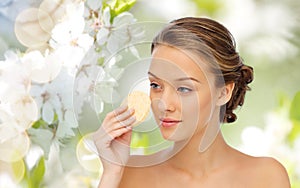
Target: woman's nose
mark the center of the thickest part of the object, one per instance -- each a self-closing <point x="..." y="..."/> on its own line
<point x="167" y="101"/>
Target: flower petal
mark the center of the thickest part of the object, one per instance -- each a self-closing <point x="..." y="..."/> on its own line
<point x="106" y="17"/>
<point x="102" y="36"/>
<point x="48" y="113"/>
<point x="15" y="148"/>
<point x="123" y="19"/>
<point x="94" y="4"/>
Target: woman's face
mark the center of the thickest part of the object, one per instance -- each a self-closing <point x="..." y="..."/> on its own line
<point x="182" y="93"/>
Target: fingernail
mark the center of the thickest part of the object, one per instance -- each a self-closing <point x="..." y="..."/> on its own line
<point x="131" y="120"/>
<point x="120" y="109"/>
<point x="131" y="111"/>
<point x="123" y="107"/>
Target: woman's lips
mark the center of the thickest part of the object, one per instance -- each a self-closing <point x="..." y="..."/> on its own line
<point x="168" y="122"/>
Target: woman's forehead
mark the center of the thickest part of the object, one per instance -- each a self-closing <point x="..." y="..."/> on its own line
<point x="171" y="63"/>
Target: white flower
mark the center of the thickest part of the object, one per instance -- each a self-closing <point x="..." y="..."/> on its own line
<point x="117" y="34"/>
<point x="66" y="124"/>
<point x="85" y="82"/>
<point x="96" y="84"/>
<point x="14" y="149"/>
<point x="46" y="68"/>
<point x="25" y="111"/>
<point x="94" y="4"/>
<point x="86" y="78"/>
<point x="56" y="97"/>
<point x="47" y="100"/>
<point x="14" y="78"/>
<point x="92" y="11"/>
<point x="8" y="126"/>
<point x="17" y="108"/>
<point x="71" y="26"/>
<point x="69" y="39"/>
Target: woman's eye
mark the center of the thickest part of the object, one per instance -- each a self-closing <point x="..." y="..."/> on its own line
<point x="184" y="89"/>
<point x="155" y="86"/>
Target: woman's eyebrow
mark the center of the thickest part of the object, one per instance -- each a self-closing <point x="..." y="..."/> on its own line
<point x="188" y="78"/>
<point x="179" y="79"/>
<point x="151" y="74"/>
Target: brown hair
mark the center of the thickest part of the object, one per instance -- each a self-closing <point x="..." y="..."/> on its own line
<point x="212" y="41"/>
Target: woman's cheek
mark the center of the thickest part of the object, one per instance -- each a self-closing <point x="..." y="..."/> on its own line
<point x="197" y="109"/>
<point x="154" y="107"/>
<point x="190" y="112"/>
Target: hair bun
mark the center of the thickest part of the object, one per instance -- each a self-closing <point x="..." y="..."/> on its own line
<point x="230" y="117"/>
<point x="238" y="94"/>
<point x="246" y="74"/>
<point x="246" y="77"/>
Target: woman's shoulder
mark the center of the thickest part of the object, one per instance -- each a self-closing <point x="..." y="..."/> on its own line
<point x="264" y="171"/>
<point x="274" y="172"/>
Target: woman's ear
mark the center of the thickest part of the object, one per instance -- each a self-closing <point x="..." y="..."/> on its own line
<point x="225" y="94"/>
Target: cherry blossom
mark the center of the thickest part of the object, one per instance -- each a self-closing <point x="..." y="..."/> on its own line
<point x="117" y="34"/>
<point x="68" y="37"/>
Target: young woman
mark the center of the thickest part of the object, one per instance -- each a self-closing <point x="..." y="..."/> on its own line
<point x="197" y="80"/>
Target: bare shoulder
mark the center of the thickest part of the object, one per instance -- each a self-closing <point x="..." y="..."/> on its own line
<point x="265" y="172"/>
<point x="274" y="173"/>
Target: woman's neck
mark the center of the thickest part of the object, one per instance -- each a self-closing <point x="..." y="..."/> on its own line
<point x="209" y="158"/>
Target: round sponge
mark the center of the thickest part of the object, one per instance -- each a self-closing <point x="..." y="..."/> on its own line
<point x="140" y="102"/>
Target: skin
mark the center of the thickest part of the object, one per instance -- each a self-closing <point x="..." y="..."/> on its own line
<point x="194" y="102"/>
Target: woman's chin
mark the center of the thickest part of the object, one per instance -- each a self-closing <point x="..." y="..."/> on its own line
<point x="173" y="136"/>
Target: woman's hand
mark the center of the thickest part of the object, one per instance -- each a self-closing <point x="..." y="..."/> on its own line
<point x="112" y="140"/>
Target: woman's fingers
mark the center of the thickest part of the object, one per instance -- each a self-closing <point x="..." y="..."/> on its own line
<point x="117" y="133"/>
<point x="119" y="120"/>
<point x="113" y="137"/>
<point x="116" y="112"/>
<point x="119" y="128"/>
<point x="104" y="139"/>
<point x="116" y="123"/>
<point x="125" y="115"/>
